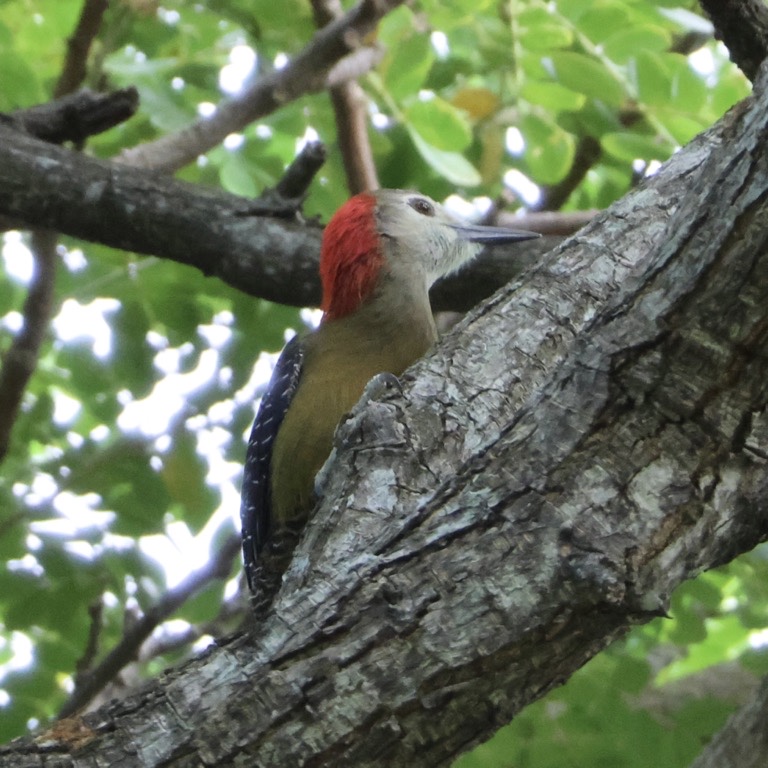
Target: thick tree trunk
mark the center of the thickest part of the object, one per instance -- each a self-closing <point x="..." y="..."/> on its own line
<point x="580" y="445"/>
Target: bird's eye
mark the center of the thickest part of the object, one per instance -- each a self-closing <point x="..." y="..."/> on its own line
<point x="422" y="206"/>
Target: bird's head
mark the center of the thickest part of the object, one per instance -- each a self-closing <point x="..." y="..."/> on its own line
<point x="404" y="234"/>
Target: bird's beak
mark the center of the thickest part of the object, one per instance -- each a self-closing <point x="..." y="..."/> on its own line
<point x="475" y="233"/>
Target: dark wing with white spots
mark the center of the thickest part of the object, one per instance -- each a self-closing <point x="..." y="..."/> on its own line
<point x="255" y="498"/>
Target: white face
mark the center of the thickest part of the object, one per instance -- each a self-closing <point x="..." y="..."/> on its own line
<point x="421" y="235"/>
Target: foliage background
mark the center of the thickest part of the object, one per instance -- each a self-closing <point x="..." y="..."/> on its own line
<point x="123" y="470"/>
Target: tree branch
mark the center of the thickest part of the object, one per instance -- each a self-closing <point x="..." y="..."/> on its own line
<point x="273" y="258"/>
<point x="349" y="106"/>
<point x="307" y="72"/>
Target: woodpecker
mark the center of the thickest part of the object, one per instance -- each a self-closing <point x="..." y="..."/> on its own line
<point x="380" y="253"/>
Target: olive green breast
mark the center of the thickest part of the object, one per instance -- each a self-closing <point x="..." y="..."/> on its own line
<point x="341" y="357"/>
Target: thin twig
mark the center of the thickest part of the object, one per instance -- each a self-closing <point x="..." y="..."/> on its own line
<point x="79" y="45"/>
<point x="349" y="106"/>
<point x="20" y="361"/>
<point x="84" y="663"/>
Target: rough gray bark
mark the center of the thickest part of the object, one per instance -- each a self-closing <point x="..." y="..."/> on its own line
<point x="580" y="445"/>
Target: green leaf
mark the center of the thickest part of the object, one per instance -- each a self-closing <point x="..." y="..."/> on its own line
<point x="549" y="149"/>
<point x="545" y="37"/>
<point x="688" y="91"/>
<point x="23" y="598"/>
<point x="652" y="78"/>
<point x="623" y="45"/>
<point x="14" y="528"/>
<point x="439" y="124"/>
<point x="551" y="96"/>
<point x="453" y="166"/>
<point x="586" y="75"/>
<point x="168" y="110"/>
<point x="184" y="474"/>
<point x="598" y="21"/>
<point x="20" y="87"/>
<point x="235" y="177"/>
<point x="406" y="68"/>
<point x="730" y="88"/>
<point x="204" y="605"/>
<point x="681" y="127"/>
<point x="132" y="357"/>
<point x="631" y="675"/>
<point x="633" y="146"/>
<point x="700" y="718"/>
<point x="726" y="639"/>
<point x="459" y="14"/>
<point x="6" y="36"/>
<point x="706" y="590"/>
